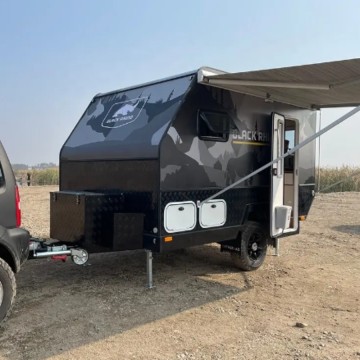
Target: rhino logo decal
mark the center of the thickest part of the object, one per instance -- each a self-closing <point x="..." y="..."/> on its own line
<point x="124" y="113"/>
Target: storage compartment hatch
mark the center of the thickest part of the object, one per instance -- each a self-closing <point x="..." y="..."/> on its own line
<point x="180" y="216"/>
<point x="213" y="213"/>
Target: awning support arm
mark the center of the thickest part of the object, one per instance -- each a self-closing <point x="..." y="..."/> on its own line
<point x="293" y="150"/>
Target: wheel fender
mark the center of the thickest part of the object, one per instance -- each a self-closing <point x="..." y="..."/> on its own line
<point x="6" y="252"/>
<point x="257" y="212"/>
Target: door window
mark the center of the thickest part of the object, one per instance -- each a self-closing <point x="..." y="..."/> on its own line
<point x="289" y="144"/>
<point x="2" y="177"/>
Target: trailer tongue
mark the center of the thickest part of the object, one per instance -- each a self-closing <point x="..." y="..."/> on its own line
<point x="41" y="249"/>
<point x="182" y="162"/>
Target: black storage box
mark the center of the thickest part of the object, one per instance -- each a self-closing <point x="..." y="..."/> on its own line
<point x="85" y="218"/>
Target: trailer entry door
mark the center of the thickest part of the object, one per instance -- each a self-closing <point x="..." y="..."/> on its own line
<point x="284" y="178"/>
<point x="277" y="171"/>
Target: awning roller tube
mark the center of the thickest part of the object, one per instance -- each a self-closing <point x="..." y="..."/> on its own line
<point x="276" y="84"/>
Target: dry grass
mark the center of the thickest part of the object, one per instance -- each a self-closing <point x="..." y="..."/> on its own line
<point x="48" y="176"/>
<point x="345" y="178"/>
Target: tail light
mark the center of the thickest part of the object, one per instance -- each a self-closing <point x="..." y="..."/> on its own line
<point x="18" y="209"/>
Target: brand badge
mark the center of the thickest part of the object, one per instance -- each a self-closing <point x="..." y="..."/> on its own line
<point x="124" y="113"/>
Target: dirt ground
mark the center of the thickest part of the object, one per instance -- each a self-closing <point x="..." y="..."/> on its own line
<point x="202" y="307"/>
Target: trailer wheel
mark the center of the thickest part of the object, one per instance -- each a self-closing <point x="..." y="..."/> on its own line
<point x="7" y="289"/>
<point x="253" y="247"/>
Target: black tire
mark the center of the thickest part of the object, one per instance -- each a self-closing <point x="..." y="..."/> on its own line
<point x="253" y="246"/>
<point x="7" y="290"/>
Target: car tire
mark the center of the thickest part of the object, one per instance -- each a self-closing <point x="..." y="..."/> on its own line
<point x="253" y="246"/>
<point x="7" y="290"/>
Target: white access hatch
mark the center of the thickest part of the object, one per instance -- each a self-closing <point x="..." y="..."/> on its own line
<point x="282" y="217"/>
<point x="212" y="213"/>
<point x="180" y="216"/>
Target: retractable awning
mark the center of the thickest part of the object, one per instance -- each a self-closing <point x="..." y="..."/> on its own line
<point x="315" y="86"/>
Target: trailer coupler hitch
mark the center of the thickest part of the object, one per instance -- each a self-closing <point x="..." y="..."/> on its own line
<point x="41" y="249"/>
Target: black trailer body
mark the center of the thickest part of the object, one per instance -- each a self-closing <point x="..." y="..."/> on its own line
<point x="141" y="160"/>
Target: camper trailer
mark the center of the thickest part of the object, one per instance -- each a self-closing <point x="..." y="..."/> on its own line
<point x="202" y="157"/>
<point x="140" y="166"/>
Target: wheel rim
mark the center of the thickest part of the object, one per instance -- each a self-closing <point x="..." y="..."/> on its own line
<point x="1" y="293"/>
<point x="255" y="247"/>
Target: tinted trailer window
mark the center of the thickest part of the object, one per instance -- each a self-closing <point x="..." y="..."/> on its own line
<point x="213" y="126"/>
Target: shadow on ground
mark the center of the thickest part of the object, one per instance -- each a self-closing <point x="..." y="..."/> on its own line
<point x="348" y="229"/>
<point x="60" y="307"/>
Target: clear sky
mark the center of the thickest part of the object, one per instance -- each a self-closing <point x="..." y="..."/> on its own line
<point x="55" y="55"/>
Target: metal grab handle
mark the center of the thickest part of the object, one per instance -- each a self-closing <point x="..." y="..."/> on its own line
<point x="280" y="150"/>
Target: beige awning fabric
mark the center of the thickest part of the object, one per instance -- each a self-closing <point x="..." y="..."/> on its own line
<point x="315" y="86"/>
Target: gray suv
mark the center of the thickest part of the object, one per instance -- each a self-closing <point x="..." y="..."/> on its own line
<point x="14" y="241"/>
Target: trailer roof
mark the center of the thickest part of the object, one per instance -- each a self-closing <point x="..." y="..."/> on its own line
<point x="146" y="84"/>
<point x="315" y="86"/>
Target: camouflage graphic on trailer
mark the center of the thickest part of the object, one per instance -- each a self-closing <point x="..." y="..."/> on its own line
<point x="188" y="162"/>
